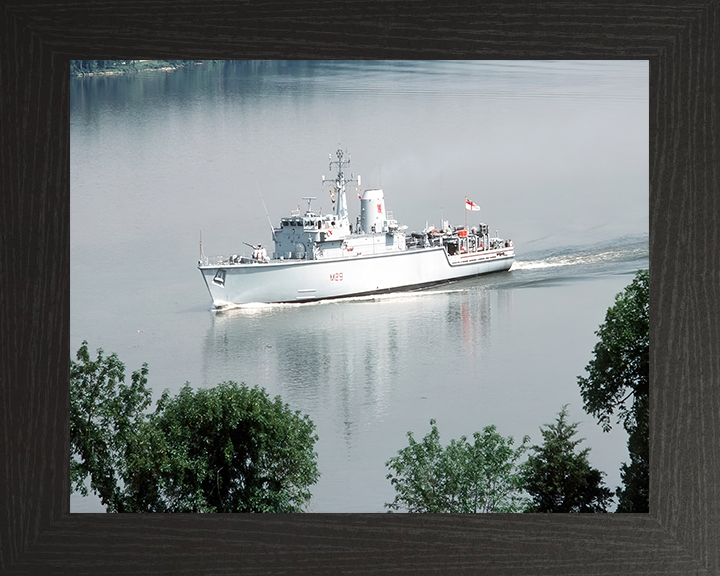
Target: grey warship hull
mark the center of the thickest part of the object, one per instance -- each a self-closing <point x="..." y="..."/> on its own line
<point x="302" y="281"/>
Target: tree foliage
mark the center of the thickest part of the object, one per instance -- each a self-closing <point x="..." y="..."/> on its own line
<point x="618" y="384"/>
<point x="226" y="449"/>
<point x="619" y="370"/>
<point x="558" y="478"/>
<point x="634" y="496"/>
<point x="463" y="477"/>
<point x="232" y="448"/>
<point x="106" y="415"/>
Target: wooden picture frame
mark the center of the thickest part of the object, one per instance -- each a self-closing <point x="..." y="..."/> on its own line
<point x="681" y="532"/>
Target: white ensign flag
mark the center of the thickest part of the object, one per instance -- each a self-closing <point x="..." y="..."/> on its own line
<point x="471" y="205"/>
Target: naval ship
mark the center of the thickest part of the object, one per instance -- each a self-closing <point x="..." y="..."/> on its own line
<point x="320" y="256"/>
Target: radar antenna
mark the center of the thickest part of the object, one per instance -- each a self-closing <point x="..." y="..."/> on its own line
<point x="340" y="181"/>
<point x="309" y="201"/>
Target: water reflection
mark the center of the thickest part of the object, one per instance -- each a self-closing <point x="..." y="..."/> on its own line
<point x="350" y="361"/>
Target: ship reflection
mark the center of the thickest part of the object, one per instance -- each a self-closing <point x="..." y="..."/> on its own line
<point x="351" y="363"/>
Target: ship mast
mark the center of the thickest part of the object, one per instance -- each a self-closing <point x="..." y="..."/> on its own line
<point x="340" y="208"/>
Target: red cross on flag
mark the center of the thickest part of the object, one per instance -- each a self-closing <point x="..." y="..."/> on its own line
<point x="470" y="205"/>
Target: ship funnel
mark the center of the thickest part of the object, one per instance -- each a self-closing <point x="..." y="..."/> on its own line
<point x="372" y="210"/>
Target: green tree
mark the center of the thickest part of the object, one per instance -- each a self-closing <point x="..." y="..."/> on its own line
<point x="106" y="414"/>
<point x="618" y="384"/>
<point x="635" y="475"/>
<point x="226" y="449"/>
<point x="558" y="478"/>
<point x="234" y="449"/>
<point x="463" y="477"/>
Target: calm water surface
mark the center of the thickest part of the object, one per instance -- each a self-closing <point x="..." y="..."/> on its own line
<point x="556" y="154"/>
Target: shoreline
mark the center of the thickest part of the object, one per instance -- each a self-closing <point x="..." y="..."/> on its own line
<point x="120" y="67"/>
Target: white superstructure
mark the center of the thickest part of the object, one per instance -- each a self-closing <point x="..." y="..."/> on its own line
<point x="320" y="256"/>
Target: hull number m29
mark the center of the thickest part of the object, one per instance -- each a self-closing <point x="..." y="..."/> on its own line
<point x="337" y="277"/>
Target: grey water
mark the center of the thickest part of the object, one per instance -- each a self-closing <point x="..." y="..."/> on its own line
<point x="555" y="153"/>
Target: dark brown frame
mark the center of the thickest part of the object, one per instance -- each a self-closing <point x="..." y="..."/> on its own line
<point x="679" y="536"/>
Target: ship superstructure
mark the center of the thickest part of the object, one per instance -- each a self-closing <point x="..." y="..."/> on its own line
<point x="318" y="256"/>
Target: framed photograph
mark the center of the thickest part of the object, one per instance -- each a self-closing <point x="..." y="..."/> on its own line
<point x="435" y="116"/>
